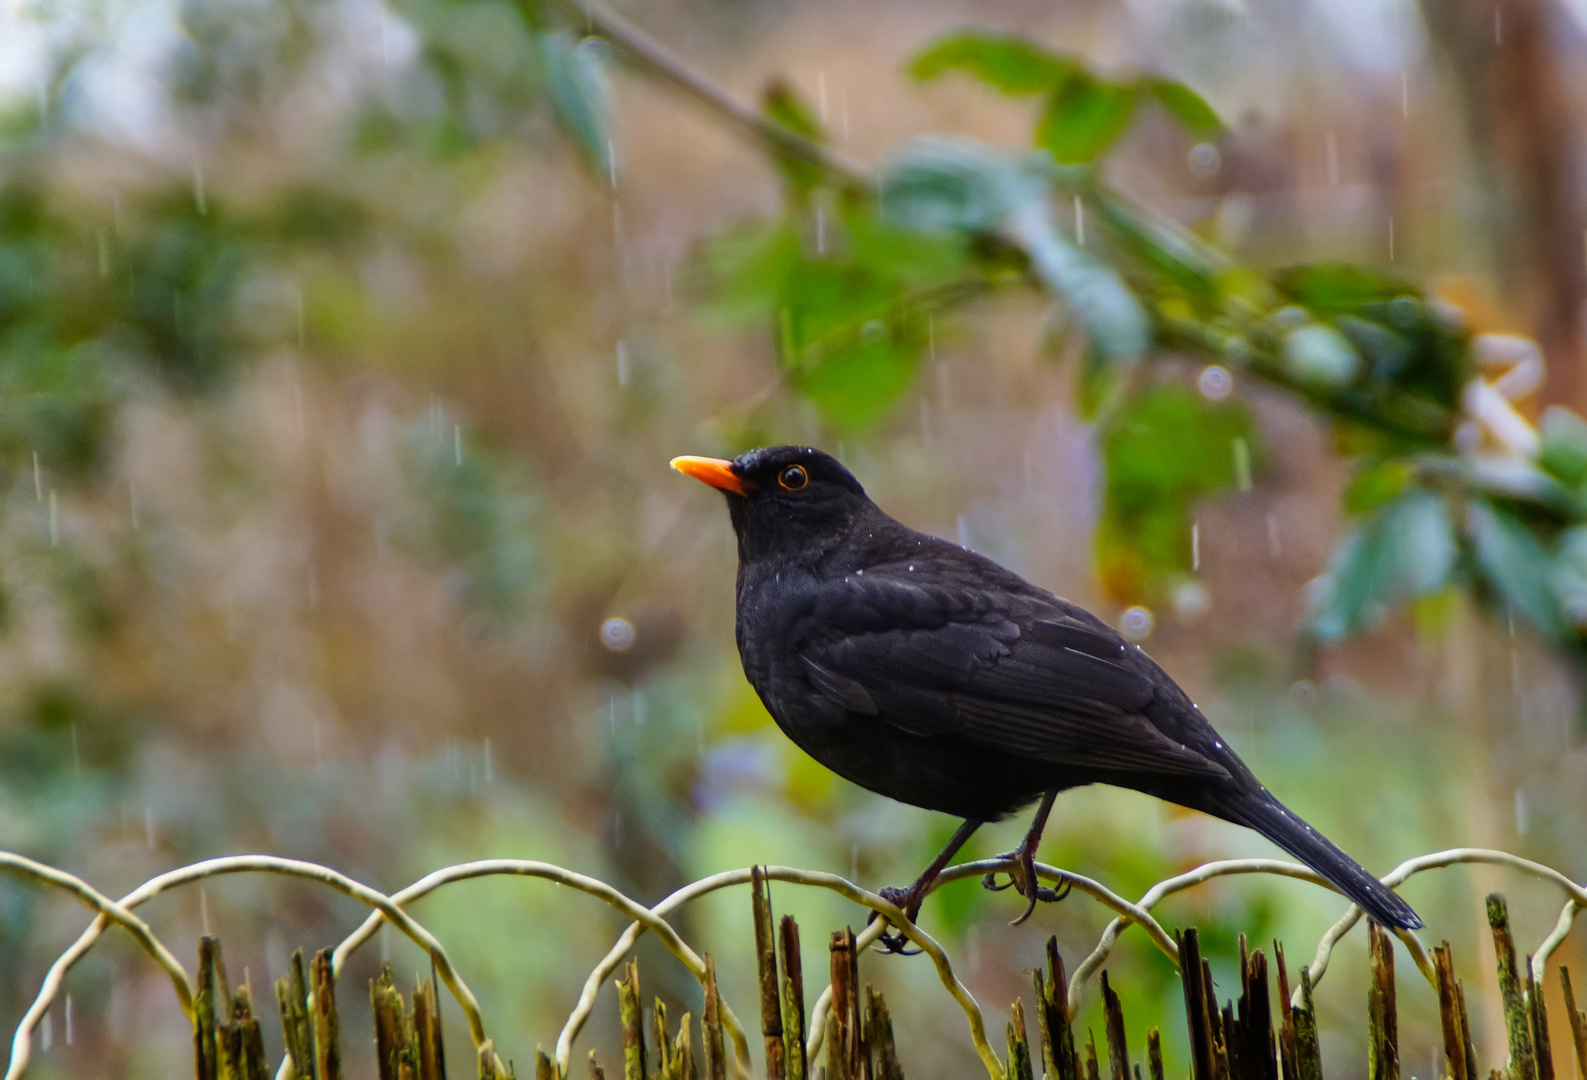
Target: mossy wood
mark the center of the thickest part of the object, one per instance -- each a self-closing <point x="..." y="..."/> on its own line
<point x="1238" y="1039"/>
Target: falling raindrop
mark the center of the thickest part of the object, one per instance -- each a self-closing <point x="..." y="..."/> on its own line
<point x="622" y="362"/>
<point x="1391" y="239"/>
<point x="1195" y="546"/>
<point x="55" y="521"/>
<point x="148" y="826"/>
<point x="38" y="479"/>
<point x="457" y="445"/>
<point x="821" y="231"/>
<point x="821" y="95"/>
<point x="1215" y="383"/>
<point x="1520" y="811"/>
<point x="1405" y="95"/>
<point x="1273" y="547"/>
<point x="47" y="1032"/>
<point x="617" y="634"/>
<point x="68" y="1019"/>
<point x="1136" y="623"/>
<point x="1080" y="222"/>
<point x="198" y="189"/>
<point x="203" y="910"/>
<point x="77" y="759"/>
<point x="486" y="756"/>
<point x="963" y="524"/>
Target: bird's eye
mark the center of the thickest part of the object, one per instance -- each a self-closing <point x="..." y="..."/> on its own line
<point x="793" y="478"/>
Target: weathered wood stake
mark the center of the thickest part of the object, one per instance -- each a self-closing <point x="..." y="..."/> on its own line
<point x="1517" y="1021"/>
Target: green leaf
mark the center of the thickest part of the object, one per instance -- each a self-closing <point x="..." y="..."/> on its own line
<point x="1007" y="62"/>
<point x="783" y="104"/>
<point x="1330" y="288"/>
<point x="1407" y="549"/>
<point x="1083" y="118"/>
<point x="1320" y="355"/>
<point x="1516" y="564"/>
<point x="951" y="183"/>
<point x="1377" y="484"/>
<point x="1570" y="575"/>
<point x="1113" y="318"/>
<point x="580" y="95"/>
<point x="1564" y="444"/>
<point x="1185" y="106"/>
<point x="1167" y="447"/>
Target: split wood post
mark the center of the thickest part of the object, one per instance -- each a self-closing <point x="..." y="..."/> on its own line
<point x="1289" y="1059"/>
<point x="1113" y="1028"/>
<point x="1308" y="1052"/>
<point x="1459" y="1057"/>
<point x="879" y="1023"/>
<point x="632" y="1015"/>
<point x="431" y="1049"/>
<point x="1578" y="1023"/>
<point x="1066" y="1063"/>
<point x="1517" y="1021"/>
<point x="394" y="1041"/>
<point x="1197" y="1006"/>
<point x="206" y="1055"/>
<point x="1019" y="1063"/>
<point x="292" y="999"/>
<point x="771" y="1026"/>
<point x="711" y="1023"/>
<point x="327" y="1027"/>
<point x="1537" y="1010"/>
<point x="793" y="1000"/>
<point x="1383" y="1030"/>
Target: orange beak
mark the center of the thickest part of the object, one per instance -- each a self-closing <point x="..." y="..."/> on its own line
<point x="714" y="471"/>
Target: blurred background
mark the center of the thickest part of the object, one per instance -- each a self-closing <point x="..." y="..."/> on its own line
<point x="344" y="344"/>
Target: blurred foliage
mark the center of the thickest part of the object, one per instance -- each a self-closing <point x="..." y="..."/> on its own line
<point x="312" y="209"/>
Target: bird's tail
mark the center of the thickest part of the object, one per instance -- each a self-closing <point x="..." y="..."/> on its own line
<point x="1275" y="821"/>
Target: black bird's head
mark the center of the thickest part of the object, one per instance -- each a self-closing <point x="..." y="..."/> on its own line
<point x="785" y="501"/>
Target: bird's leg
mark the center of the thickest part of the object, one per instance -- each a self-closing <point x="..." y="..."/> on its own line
<point x="1022" y="875"/>
<point x="910" y="899"/>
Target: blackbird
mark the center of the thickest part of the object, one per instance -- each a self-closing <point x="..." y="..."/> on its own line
<point x="934" y="676"/>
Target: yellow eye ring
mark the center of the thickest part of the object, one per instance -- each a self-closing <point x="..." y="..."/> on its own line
<point x="793" y="478"/>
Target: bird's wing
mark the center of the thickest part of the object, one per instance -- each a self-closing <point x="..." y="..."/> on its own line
<point x="1017" y="673"/>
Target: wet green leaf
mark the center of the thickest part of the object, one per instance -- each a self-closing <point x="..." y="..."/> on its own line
<point x="1335" y="287"/>
<point x="1167" y="448"/>
<point x="1564" y="444"/>
<point x="1407" y="549"/>
<point x="783" y="104"/>
<point x="1378" y="483"/>
<point x="1084" y="116"/>
<point x="1007" y="62"/>
<point x="1186" y="106"/>
<point x="1320" y="355"/>
<point x="1516" y="564"/>
<point x="949" y="183"/>
<point x="581" y="95"/>
<point x="1113" y="318"/>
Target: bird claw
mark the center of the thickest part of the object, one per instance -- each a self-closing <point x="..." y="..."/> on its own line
<point x="1022" y="877"/>
<point x="906" y="900"/>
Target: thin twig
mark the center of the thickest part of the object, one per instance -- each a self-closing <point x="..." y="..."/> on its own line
<point x="661" y="63"/>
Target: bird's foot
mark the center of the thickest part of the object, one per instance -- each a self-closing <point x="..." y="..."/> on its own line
<point x="1022" y="876"/>
<point x="908" y="901"/>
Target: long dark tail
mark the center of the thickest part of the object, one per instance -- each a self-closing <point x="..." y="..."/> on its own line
<point x="1275" y="821"/>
